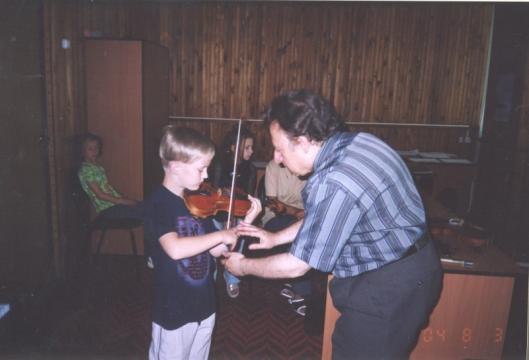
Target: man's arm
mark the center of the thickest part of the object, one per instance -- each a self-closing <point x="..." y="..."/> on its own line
<point x="273" y="267"/>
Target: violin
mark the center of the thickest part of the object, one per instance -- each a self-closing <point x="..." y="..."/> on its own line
<point x="208" y="201"/>
<point x="275" y="205"/>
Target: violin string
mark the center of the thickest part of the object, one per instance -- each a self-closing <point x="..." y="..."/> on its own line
<point x="234" y="174"/>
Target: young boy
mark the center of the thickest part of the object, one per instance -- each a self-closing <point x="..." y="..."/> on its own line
<point x="184" y="299"/>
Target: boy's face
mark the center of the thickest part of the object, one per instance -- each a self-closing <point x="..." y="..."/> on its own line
<point x="90" y="151"/>
<point x="190" y="175"/>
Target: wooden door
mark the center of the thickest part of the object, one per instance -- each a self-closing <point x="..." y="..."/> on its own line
<point x="114" y="112"/>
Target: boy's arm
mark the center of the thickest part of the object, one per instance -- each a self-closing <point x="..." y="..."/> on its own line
<point x="183" y="247"/>
<point x="218" y="250"/>
<point x="254" y="211"/>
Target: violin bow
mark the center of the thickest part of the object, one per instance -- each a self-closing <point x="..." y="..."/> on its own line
<point x="234" y="174"/>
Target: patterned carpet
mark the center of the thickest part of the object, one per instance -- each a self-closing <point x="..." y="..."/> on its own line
<point x="260" y="324"/>
<point x="105" y="314"/>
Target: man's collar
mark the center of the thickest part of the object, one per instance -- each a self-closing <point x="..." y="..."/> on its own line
<point x="323" y="158"/>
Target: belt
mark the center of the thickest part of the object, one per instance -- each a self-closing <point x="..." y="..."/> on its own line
<point x="419" y="244"/>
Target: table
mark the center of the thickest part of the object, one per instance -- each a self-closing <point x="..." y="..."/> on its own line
<point x="447" y="182"/>
<point x="470" y="319"/>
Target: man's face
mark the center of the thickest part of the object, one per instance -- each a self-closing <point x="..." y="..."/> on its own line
<point x="288" y="151"/>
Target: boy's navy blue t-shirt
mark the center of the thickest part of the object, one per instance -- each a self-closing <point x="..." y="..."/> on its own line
<point x="184" y="289"/>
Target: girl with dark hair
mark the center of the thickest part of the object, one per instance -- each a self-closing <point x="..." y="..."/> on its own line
<point x="222" y="167"/>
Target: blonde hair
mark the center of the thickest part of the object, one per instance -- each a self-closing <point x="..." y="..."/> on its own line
<point x="184" y="145"/>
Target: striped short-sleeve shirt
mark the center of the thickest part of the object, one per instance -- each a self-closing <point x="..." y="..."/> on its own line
<point x="362" y="209"/>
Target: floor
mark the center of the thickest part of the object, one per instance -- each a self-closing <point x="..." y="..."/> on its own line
<point x="104" y="312"/>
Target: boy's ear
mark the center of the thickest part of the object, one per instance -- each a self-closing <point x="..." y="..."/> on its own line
<point x="173" y="166"/>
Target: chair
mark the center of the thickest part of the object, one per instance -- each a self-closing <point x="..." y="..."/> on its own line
<point x="102" y="224"/>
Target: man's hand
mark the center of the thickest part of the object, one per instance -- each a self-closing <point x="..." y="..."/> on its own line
<point x="266" y="239"/>
<point x="254" y="211"/>
<point x="232" y="262"/>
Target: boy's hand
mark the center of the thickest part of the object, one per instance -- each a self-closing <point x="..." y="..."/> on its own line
<point x="254" y="211"/>
<point x="232" y="262"/>
<point x="266" y="239"/>
<point x="229" y="237"/>
<point x="218" y="250"/>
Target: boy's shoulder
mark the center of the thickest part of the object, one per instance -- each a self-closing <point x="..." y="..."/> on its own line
<point x="160" y="192"/>
<point x="161" y="195"/>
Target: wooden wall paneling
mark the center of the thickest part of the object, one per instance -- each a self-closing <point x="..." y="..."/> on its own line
<point x="165" y="25"/>
<point x="413" y="35"/>
<point x="253" y="51"/>
<point x="52" y="98"/>
<point x="268" y="26"/>
<point x="207" y="49"/>
<point x="329" y="59"/>
<point x="196" y="95"/>
<point x="104" y="20"/>
<point x="155" y="110"/>
<point x="218" y="65"/>
<point x="26" y="256"/>
<point x="66" y="119"/>
<point x="269" y="34"/>
<point x="145" y="22"/>
<point x="178" y="63"/>
<point x="242" y="69"/>
<point x="74" y="241"/>
<point x="423" y="138"/>
<point x="430" y="66"/>
<point x="344" y="40"/>
<point x="295" y="52"/>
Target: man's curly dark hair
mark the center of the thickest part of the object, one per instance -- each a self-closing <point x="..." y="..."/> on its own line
<point x="303" y="113"/>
